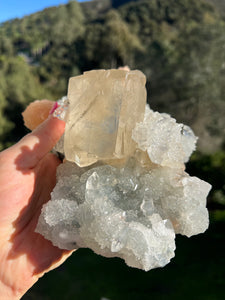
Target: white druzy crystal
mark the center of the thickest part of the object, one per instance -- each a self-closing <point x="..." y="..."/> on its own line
<point x="167" y="142"/>
<point x="126" y="212"/>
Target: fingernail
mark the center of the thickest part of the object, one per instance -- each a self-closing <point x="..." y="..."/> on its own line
<point x="61" y="110"/>
<point x="53" y="108"/>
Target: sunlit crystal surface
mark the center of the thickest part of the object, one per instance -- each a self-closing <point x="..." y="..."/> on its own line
<point x="131" y="195"/>
<point x="100" y="119"/>
<point x="166" y="142"/>
<point x="107" y="209"/>
<point x="126" y="212"/>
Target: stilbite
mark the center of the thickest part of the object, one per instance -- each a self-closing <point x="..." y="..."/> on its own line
<point x="36" y="113"/>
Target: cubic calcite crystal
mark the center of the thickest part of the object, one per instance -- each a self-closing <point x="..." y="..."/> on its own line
<point x="104" y="107"/>
<point x="122" y="190"/>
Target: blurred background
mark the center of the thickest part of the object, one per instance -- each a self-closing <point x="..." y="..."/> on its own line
<point x="180" y="46"/>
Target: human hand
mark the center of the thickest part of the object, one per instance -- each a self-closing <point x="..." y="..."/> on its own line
<point x="27" y="177"/>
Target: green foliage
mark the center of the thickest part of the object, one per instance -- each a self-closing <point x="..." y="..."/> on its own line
<point x="219" y="5"/>
<point x="67" y="19"/>
<point x="18" y="86"/>
<point x="115" y="44"/>
<point x="20" y="83"/>
<point x="5" y="124"/>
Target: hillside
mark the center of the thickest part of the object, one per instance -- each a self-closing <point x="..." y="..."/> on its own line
<point x="177" y="44"/>
<point x="219" y="5"/>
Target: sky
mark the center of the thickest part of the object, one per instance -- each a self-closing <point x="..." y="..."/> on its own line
<point x="10" y="9"/>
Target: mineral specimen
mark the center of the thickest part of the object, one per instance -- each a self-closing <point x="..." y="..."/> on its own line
<point x="167" y="143"/>
<point x="104" y="107"/>
<point x="36" y="113"/>
<point x="136" y="196"/>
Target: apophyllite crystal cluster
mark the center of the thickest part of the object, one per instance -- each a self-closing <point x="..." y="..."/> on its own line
<point x="122" y="189"/>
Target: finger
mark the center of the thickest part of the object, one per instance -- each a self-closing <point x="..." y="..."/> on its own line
<point x="35" y="145"/>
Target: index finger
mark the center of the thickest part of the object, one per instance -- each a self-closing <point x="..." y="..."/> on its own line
<point x="35" y="145"/>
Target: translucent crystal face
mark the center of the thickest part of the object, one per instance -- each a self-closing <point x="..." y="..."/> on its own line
<point x="100" y="119"/>
<point x="136" y="197"/>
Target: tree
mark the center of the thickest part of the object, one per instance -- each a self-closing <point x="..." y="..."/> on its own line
<point x="118" y="46"/>
<point x="18" y="86"/>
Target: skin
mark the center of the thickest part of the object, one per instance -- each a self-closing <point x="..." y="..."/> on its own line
<point x="27" y="177"/>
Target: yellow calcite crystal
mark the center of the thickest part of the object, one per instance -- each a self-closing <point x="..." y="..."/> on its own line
<point x="104" y="107"/>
